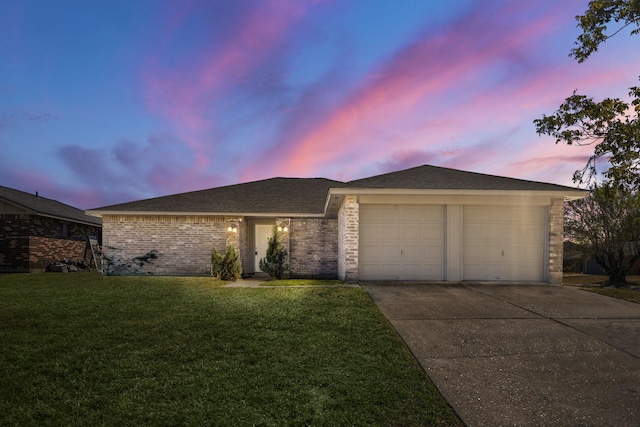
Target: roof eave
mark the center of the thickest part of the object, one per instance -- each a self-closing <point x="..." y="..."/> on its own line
<point x="31" y="211"/>
<point x="63" y="218"/>
<point x="101" y="213"/>
<point x="569" y="194"/>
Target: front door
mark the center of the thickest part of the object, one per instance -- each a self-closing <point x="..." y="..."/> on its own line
<point x="262" y="234"/>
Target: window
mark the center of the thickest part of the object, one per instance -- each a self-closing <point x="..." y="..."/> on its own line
<point x="64" y="230"/>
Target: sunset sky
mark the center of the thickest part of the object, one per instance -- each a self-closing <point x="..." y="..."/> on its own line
<point x="104" y="102"/>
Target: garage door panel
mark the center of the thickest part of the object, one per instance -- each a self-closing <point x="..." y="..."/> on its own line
<point x="413" y="233"/>
<point x="412" y="252"/>
<point x="369" y="215"/>
<point x="392" y="252"/>
<point x="502" y="243"/>
<point x="408" y="241"/>
<point x="489" y="271"/>
<point x="371" y="252"/>
<point x="434" y="233"/>
<point x="370" y="233"/>
<point x="413" y="214"/>
<point x="390" y="215"/>
<point x="504" y="215"/>
<point x="433" y="255"/>
<point x="380" y="271"/>
<point x="500" y="253"/>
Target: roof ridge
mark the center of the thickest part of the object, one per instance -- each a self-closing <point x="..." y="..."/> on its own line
<point x="26" y="193"/>
<point x="222" y="187"/>
<point x="458" y="171"/>
<point x="43" y="205"/>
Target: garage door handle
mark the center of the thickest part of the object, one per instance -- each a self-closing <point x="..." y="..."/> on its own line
<point x="502" y="253"/>
<point x="401" y="251"/>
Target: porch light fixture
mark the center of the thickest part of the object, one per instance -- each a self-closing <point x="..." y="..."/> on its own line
<point x="232" y="229"/>
<point x="282" y="227"/>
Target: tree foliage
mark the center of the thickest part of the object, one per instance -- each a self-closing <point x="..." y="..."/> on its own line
<point x="594" y="24"/>
<point x="606" y="227"/>
<point x="611" y="125"/>
<point x="274" y="262"/>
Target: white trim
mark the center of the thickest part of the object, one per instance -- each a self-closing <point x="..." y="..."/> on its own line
<point x="101" y="212"/>
<point x="569" y="194"/>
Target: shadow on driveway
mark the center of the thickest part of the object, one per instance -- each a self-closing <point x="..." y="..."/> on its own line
<point x="525" y="355"/>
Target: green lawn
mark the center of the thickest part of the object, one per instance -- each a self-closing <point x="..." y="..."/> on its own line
<point x="586" y="280"/>
<point x="79" y="349"/>
<point x="625" y="294"/>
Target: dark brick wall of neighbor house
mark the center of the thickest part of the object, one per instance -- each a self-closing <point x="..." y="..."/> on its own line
<point x="14" y="243"/>
<point x="313" y="248"/>
<point x="29" y="243"/>
<point x="49" y="242"/>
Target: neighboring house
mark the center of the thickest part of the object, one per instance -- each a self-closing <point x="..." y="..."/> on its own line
<point x="36" y="231"/>
<point x="576" y="262"/>
<point x="424" y="223"/>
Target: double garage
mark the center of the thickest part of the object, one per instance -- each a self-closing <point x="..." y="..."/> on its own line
<point x="453" y="242"/>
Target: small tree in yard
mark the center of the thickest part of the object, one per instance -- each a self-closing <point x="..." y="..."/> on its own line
<point x="273" y="263"/>
<point x="226" y="267"/>
<point x="606" y="226"/>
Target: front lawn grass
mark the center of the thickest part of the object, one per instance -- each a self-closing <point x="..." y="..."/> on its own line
<point x="625" y="294"/>
<point x="592" y="279"/>
<point x="80" y="349"/>
<point x="587" y="282"/>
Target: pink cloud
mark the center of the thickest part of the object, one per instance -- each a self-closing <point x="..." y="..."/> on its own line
<point x="189" y="94"/>
<point x="423" y="73"/>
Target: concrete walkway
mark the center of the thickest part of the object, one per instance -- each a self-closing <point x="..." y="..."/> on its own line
<point x="522" y="355"/>
<point x="245" y="283"/>
<point x="264" y="283"/>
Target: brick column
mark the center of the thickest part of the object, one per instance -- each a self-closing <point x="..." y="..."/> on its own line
<point x="556" y="231"/>
<point x="285" y="233"/>
<point x="348" y="238"/>
<point x="233" y="235"/>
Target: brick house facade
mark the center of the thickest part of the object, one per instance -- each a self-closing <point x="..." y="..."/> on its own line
<point x="35" y="231"/>
<point x="424" y="223"/>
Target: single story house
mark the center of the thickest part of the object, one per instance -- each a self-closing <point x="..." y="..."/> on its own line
<point x="36" y="231"/>
<point x="424" y="223"/>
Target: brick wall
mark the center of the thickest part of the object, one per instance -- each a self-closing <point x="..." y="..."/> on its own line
<point x="46" y="250"/>
<point x="28" y="243"/>
<point x="556" y="231"/>
<point x="14" y="243"/>
<point x="48" y="244"/>
<point x="348" y="238"/>
<point x="246" y="254"/>
<point x="313" y="248"/>
<point x="183" y="244"/>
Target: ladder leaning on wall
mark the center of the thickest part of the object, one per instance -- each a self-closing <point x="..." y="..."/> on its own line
<point x="94" y="247"/>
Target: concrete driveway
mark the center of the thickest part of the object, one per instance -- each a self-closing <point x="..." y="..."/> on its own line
<point x="522" y="355"/>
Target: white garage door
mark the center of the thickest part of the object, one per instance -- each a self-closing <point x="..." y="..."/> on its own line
<point x="401" y="242"/>
<point x="503" y="243"/>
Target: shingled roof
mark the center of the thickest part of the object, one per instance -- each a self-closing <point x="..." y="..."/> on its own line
<point x="302" y="196"/>
<point x="39" y="205"/>
<point x="308" y="196"/>
<point x="428" y="177"/>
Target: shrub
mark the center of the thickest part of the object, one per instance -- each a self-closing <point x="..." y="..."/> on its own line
<point x="273" y="263"/>
<point x="226" y="267"/>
